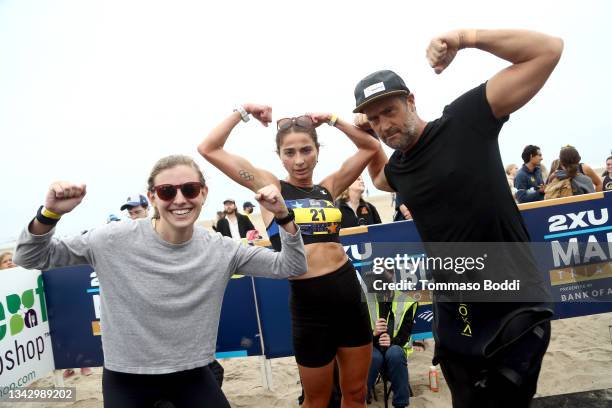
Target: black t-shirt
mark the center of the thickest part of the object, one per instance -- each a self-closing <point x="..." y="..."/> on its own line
<point x="454" y="174"/>
<point x="454" y="183"/>
<point x="366" y="214"/>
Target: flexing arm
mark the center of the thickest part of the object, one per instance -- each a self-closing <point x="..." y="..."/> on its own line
<point x="36" y="247"/>
<point x="259" y="261"/>
<point x="237" y="167"/>
<point x="533" y="56"/>
<point x="352" y="167"/>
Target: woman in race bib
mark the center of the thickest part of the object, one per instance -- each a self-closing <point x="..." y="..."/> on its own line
<point x="330" y="322"/>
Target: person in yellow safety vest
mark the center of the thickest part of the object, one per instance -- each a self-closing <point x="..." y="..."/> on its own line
<point x="392" y="321"/>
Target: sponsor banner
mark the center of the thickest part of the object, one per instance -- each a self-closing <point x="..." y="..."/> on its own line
<point x="573" y="238"/>
<point x="73" y="301"/>
<point x="573" y="248"/>
<point x="25" y="344"/>
<point x="238" y="332"/>
<point x="579" y="276"/>
<point x="273" y="306"/>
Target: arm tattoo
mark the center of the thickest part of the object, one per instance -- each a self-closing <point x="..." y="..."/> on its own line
<point x="246" y="175"/>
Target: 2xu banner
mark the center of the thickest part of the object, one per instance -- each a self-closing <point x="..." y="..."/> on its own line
<point x="573" y="248"/>
<point x="571" y="241"/>
<point x="25" y="345"/>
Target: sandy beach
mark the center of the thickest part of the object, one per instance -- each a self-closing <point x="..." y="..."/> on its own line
<point x="579" y="359"/>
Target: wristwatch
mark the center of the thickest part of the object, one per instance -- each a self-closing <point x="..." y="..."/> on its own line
<point x="243" y="113"/>
<point x="287" y="219"/>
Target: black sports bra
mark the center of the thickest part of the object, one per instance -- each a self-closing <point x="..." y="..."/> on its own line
<point x="315" y="213"/>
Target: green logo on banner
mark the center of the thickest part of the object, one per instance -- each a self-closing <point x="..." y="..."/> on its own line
<point x="19" y="311"/>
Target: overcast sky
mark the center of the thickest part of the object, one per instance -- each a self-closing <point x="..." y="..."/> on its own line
<point x="97" y="91"/>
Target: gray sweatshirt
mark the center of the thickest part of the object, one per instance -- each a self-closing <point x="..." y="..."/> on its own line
<point x="161" y="302"/>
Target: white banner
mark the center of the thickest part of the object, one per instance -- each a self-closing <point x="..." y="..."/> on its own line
<point x="25" y="344"/>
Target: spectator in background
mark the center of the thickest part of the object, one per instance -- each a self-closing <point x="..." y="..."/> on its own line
<point x="111" y="218"/>
<point x="392" y="316"/>
<point x="6" y="260"/>
<point x="528" y="180"/>
<point x="355" y="210"/>
<point x="220" y="215"/>
<point x="137" y="206"/>
<point x="607" y="175"/>
<point x="247" y="208"/>
<point x="554" y="166"/>
<point x="511" y="171"/>
<point x="544" y="171"/>
<point x="234" y="224"/>
<point x="569" y="156"/>
<point x="571" y="168"/>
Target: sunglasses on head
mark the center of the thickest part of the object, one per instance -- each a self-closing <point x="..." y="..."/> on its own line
<point x="301" y="121"/>
<point x="167" y="192"/>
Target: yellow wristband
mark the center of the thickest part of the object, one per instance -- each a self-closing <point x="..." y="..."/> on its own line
<point x="50" y="214"/>
<point x="333" y="120"/>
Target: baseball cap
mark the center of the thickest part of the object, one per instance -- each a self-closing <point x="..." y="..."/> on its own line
<point x="229" y="200"/>
<point x="247" y="204"/>
<point x="377" y="85"/>
<point x="135" y="201"/>
<point x="112" y="218"/>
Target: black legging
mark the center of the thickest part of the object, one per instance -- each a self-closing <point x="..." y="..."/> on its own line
<point x="183" y="389"/>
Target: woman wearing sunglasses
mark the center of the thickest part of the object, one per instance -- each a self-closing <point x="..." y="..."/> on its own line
<point x="330" y="322"/>
<point x="162" y="283"/>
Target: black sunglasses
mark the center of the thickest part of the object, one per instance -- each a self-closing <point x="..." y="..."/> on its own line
<point x="167" y="192"/>
<point x="301" y="121"/>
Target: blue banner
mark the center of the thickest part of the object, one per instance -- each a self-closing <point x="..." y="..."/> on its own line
<point x="576" y="291"/>
<point x="73" y="298"/>
<point x="580" y="278"/>
<point x="73" y="304"/>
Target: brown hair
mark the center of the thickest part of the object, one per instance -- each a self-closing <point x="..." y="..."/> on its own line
<point x="169" y="162"/>
<point x="554" y="166"/>
<point x="569" y="158"/>
<point x="605" y="172"/>
<point x="344" y="196"/>
<point x="312" y="132"/>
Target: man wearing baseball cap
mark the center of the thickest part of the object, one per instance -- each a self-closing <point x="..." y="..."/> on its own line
<point x="137" y="206"/>
<point x="234" y="224"/>
<point x="449" y="173"/>
<point x="248" y="208"/>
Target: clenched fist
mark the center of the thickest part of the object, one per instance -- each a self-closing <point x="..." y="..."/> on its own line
<point x="64" y="196"/>
<point x="443" y="48"/>
<point x="271" y="199"/>
<point x="262" y="113"/>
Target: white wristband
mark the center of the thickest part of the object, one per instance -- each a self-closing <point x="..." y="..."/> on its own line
<point x="243" y="113"/>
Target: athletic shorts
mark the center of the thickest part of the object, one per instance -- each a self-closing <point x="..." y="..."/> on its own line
<point x="328" y="312"/>
<point x="182" y="389"/>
